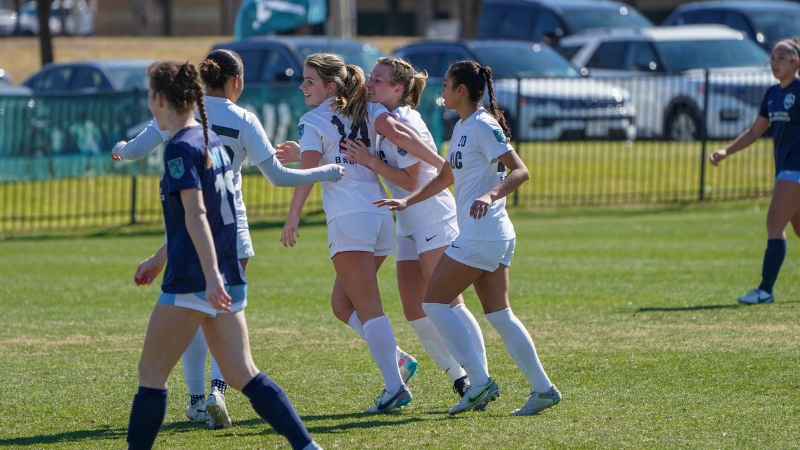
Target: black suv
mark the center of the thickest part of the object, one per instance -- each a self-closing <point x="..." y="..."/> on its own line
<point x="548" y="20"/>
<point x="269" y="59"/>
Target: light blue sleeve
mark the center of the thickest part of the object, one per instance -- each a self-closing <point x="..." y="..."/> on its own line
<point x="281" y="176"/>
<point x="141" y="145"/>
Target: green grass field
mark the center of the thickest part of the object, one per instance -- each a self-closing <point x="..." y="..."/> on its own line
<point x="632" y="309"/>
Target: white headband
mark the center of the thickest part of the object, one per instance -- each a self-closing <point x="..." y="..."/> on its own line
<point x="789" y="46"/>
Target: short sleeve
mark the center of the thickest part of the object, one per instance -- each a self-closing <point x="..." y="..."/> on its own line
<point x="180" y="168"/>
<point x="308" y="136"/>
<point x="491" y="140"/>
<point x="255" y="141"/>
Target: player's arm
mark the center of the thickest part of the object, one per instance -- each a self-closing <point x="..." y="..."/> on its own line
<point x="431" y="188"/>
<point x="517" y="175"/>
<point x="742" y="141"/>
<point x="200" y="232"/>
<point x="140" y="146"/>
<point x="405" y="138"/>
<point x="290" y="233"/>
<point x="358" y="152"/>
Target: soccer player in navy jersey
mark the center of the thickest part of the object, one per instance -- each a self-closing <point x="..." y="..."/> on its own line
<point x="204" y="285"/>
<point x="243" y="137"/>
<point x="479" y="156"/>
<point x="780" y="109"/>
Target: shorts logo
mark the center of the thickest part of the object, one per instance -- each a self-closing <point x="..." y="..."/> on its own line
<point x="175" y="168"/>
<point x="401" y="151"/>
<point x="498" y="134"/>
<point x="788" y="101"/>
<point x="300" y="129"/>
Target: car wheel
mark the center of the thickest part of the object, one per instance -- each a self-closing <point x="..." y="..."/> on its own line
<point x="683" y="125"/>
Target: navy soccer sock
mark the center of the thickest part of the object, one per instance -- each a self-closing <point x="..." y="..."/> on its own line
<point x="773" y="260"/>
<point x="147" y="414"/>
<point x="272" y="404"/>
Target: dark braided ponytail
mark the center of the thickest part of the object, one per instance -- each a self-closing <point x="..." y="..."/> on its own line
<point x="475" y="78"/>
<point x="181" y="86"/>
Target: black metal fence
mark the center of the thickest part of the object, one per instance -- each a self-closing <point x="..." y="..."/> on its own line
<point x="585" y="141"/>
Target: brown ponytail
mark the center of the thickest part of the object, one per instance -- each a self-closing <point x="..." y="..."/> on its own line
<point x="350" y="98"/>
<point x="475" y="77"/>
<point x="181" y="87"/>
<point x="404" y="74"/>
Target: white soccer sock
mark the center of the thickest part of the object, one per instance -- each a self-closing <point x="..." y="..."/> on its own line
<point x="432" y="342"/>
<point x="216" y="374"/>
<point x="194" y="364"/>
<point x="382" y="345"/>
<point x="520" y="346"/>
<point x="475" y="333"/>
<point x="355" y="323"/>
<point x="456" y="337"/>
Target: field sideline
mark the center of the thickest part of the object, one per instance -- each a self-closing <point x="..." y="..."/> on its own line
<point x="632" y="310"/>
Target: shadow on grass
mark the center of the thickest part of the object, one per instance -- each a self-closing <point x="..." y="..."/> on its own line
<point x="372" y="421"/>
<point x="688" y="308"/>
<point x="106" y="433"/>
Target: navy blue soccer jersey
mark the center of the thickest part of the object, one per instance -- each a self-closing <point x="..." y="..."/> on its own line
<point x="782" y="107"/>
<point x="185" y="168"/>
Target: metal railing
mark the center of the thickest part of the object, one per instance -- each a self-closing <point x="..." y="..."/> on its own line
<point x="584" y="141"/>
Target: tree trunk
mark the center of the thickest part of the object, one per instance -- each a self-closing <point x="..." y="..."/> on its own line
<point x="45" y="39"/>
<point x="342" y="19"/>
<point x="469" y="18"/>
<point x="423" y="16"/>
<point x="17" y="7"/>
<point x="140" y="18"/>
<point x="166" y="7"/>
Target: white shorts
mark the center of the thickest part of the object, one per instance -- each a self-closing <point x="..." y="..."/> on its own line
<point x="433" y="236"/>
<point x="197" y="300"/>
<point x="788" y="175"/>
<point x="244" y="245"/>
<point x="361" y="232"/>
<point x="485" y="255"/>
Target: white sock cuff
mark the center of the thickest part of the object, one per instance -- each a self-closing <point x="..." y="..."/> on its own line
<point x="374" y="321"/>
<point x="353" y="321"/>
<point x="499" y="316"/>
<point x="434" y="306"/>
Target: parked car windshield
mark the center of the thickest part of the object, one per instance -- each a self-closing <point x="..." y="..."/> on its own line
<point x="686" y="54"/>
<point x="363" y="56"/>
<point x="535" y="60"/>
<point x="129" y="78"/>
<point x="580" y="20"/>
<point x="776" y="25"/>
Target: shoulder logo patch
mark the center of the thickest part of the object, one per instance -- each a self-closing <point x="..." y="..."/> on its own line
<point x="498" y="134"/>
<point x="401" y="151"/>
<point x="175" y="168"/>
<point x="300" y="131"/>
<point x="788" y="101"/>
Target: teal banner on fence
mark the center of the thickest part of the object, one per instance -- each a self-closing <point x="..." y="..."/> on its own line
<point x="66" y="136"/>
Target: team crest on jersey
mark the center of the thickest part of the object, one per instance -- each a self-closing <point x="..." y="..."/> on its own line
<point x="788" y="101"/>
<point x="401" y="151"/>
<point x="300" y="129"/>
<point x="498" y="134"/>
<point x="175" y="168"/>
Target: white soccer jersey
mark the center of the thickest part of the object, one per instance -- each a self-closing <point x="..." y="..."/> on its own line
<point x="242" y="135"/>
<point x="436" y="209"/>
<point x="476" y="144"/>
<point x="321" y="130"/>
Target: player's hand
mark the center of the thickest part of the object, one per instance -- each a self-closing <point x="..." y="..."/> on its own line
<point x="288" y="152"/>
<point x="114" y="150"/>
<point x="147" y="271"/>
<point x="394" y="204"/>
<point x="216" y="295"/>
<point x="356" y="151"/>
<point x="716" y="157"/>
<point x="480" y="207"/>
<point x="290" y="232"/>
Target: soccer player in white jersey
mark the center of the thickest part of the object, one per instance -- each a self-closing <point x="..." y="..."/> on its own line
<point x="359" y="235"/>
<point x="242" y="136"/>
<point x="425" y="230"/>
<point x="479" y="155"/>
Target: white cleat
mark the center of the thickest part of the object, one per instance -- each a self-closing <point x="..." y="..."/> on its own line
<point x="407" y="365"/>
<point x="196" y="412"/>
<point x="477" y="396"/>
<point x="217" y="413"/>
<point x="538" y="402"/>
<point x="755" y="297"/>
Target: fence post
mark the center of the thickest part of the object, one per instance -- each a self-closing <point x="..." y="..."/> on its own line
<point x="133" y="199"/>
<point x="515" y="131"/>
<point x="704" y="138"/>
